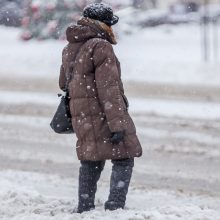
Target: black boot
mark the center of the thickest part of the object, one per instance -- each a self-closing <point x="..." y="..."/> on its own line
<point x="89" y="175"/>
<point x="120" y="180"/>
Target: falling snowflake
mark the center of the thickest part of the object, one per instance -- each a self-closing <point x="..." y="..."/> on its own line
<point x="108" y="105"/>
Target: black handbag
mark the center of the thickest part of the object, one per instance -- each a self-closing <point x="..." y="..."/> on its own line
<point x="62" y="120"/>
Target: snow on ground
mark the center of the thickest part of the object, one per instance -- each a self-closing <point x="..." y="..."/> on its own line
<point x="166" y="54"/>
<point x="38" y="172"/>
<point x="180" y="108"/>
<point x="26" y="196"/>
<point x="178" y="175"/>
<point x="28" y="59"/>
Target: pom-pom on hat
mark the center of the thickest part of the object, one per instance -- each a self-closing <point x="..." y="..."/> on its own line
<point x="101" y="12"/>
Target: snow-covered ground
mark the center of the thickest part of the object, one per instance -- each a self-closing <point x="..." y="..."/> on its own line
<point x="178" y="176"/>
<point x="51" y="197"/>
<point x="184" y="109"/>
<point x="166" y="54"/>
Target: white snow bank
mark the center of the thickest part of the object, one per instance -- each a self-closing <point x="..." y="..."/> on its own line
<point x="32" y="59"/>
<point x="19" y="97"/>
<point x="178" y="108"/>
<point x="154" y="55"/>
<point x="167" y="54"/>
<point x="32" y="121"/>
<point x="26" y="195"/>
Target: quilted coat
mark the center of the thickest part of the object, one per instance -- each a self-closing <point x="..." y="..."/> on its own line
<point x="97" y="101"/>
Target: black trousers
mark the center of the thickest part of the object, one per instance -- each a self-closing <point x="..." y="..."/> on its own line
<point x="89" y="174"/>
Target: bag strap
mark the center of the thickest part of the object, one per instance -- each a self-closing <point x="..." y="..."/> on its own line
<point x="70" y="68"/>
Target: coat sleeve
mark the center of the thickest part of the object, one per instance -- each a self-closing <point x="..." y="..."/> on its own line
<point x="62" y="77"/>
<point x="108" y="86"/>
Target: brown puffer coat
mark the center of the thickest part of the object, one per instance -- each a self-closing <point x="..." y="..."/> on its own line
<point x="98" y="104"/>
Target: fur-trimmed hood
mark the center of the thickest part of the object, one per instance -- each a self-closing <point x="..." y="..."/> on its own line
<point x="87" y="28"/>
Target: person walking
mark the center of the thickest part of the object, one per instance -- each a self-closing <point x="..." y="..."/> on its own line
<point x="99" y="107"/>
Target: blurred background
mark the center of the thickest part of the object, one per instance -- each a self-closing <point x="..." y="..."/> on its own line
<point x="170" y="57"/>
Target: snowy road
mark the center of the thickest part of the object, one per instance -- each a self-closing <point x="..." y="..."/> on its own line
<point x="177" y="177"/>
<point x="177" y="114"/>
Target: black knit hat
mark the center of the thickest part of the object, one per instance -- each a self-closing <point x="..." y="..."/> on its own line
<point x="101" y="12"/>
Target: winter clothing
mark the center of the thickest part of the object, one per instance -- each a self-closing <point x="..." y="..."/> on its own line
<point x="117" y="137"/>
<point x="101" y="12"/>
<point x="120" y="180"/>
<point x="97" y="101"/>
<point x="99" y="108"/>
<point x="89" y="175"/>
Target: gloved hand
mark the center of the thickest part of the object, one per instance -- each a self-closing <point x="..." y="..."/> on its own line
<point x="117" y="137"/>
